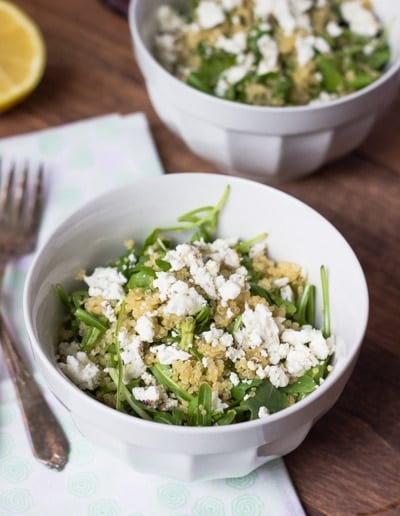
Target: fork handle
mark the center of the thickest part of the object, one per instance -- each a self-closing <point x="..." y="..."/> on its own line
<point x="47" y="438"/>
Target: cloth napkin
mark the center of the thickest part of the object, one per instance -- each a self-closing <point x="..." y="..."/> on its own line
<point x="82" y="160"/>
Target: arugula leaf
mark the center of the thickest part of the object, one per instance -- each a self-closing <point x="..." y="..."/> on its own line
<point x="332" y="77"/>
<point x="97" y="321"/>
<point x="162" y="374"/>
<point x="142" y="277"/>
<point x="202" y="319"/>
<point x="78" y="297"/>
<point x="235" y="325"/>
<point x="163" y="265"/>
<point x="256" y="290"/>
<point x="201" y="407"/>
<point x="227" y="418"/>
<point x="90" y="338"/>
<point x="64" y="297"/>
<point x="135" y="405"/>
<point x="176" y="417"/>
<point x="240" y="390"/>
<point x="265" y="395"/>
<point x="206" y="76"/>
<point x="304" y="385"/>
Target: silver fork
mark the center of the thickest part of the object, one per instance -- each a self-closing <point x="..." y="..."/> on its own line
<point x="20" y="215"/>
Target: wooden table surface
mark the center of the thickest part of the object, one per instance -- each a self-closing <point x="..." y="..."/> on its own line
<point x="350" y="462"/>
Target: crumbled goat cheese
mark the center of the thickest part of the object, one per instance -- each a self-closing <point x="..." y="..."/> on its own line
<point x="217" y="336"/>
<point x="321" y="46"/>
<point x="234" y="45"/>
<point x="300" y="359"/>
<point x="235" y="74"/>
<point x="220" y="250"/>
<point x="234" y="379"/>
<point x="304" y="22"/>
<point x="259" y="329"/>
<point x="84" y="373"/>
<point x="334" y="30"/>
<point x="228" y="5"/>
<point x="131" y="355"/>
<point x="262" y="412"/>
<point x="230" y="288"/>
<point x="148" y="379"/>
<point x="167" y="355"/>
<point x="286" y="293"/>
<point x="309" y="335"/>
<point x="145" y="328"/>
<point x="305" y="49"/>
<point x="269" y="51"/>
<point x="369" y="49"/>
<point x="148" y="395"/>
<point x="216" y="404"/>
<point x="258" y="249"/>
<point x="106" y="282"/>
<point x="281" y="282"/>
<point x="235" y="354"/>
<point x="68" y="348"/>
<point x="184" y="255"/>
<point x="360" y="19"/>
<point x="323" y="97"/>
<point x="277" y="376"/>
<point x="168" y="20"/>
<point x="204" y="362"/>
<point x="184" y="300"/>
<point x="280" y="9"/>
<point x="108" y="311"/>
<point x="301" y="6"/>
<point x="209" y="14"/>
<point x="166" y="46"/>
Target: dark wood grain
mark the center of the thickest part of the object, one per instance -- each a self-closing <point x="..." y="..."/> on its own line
<point x="350" y="462"/>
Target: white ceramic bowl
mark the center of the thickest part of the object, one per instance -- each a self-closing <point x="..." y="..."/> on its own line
<point x="270" y="144"/>
<point x="94" y="235"/>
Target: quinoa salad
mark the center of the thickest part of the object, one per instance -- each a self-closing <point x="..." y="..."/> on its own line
<point x="211" y="331"/>
<point x="273" y="52"/>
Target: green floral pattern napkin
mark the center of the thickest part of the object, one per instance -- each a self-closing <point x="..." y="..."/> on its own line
<point x="83" y="160"/>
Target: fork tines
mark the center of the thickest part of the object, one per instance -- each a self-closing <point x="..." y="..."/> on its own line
<point x="21" y="194"/>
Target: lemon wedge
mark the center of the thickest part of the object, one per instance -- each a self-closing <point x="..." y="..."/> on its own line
<point x="22" y="55"/>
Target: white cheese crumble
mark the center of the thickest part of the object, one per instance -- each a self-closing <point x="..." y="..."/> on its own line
<point x="262" y="412"/>
<point x="306" y="46"/>
<point x="234" y="379"/>
<point x="148" y="395"/>
<point x="259" y="329"/>
<point x="81" y="370"/>
<point x="269" y="51"/>
<point x="277" y="376"/>
<point x="108" y="311"/>
<point x="209" y="14"/>
<point x="167" y="48"/>
<point x="229" y="5"/>
<point x="168" y="354"/>
<point x="305" y="49"/>
<point x="234" y="45"/>
<point x="360" y="20"/>
<point x="106" y="282"/>
<point x="131" y="355"/>
<point x="216" y="404"/>
<point x="280" y="9"/>
<point x="145" y="328"/>
<point x="168" y="20"/>
<point x="333" y="29"/>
